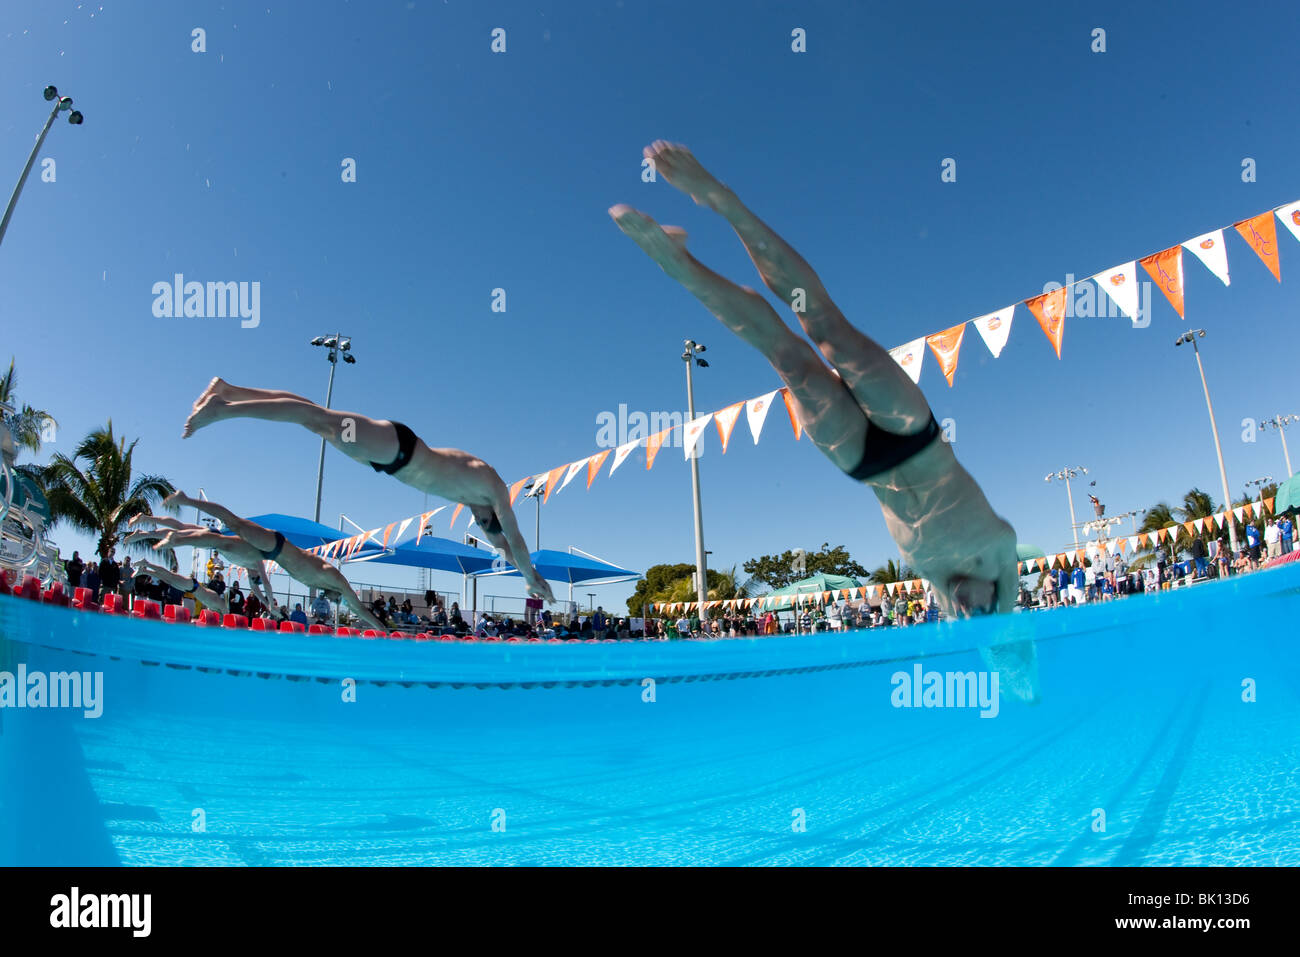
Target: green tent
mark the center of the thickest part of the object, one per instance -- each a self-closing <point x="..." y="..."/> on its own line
<point x="1288" y="496"/>
<point x="813" y="586"/>
<point x="1025" y="552"/>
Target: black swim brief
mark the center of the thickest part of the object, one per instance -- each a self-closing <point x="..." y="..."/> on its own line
<point x="405" y="449"/>
<point x="493" y="524"/>
<point x="883" y="450"/>
<point x="274" y="553"/>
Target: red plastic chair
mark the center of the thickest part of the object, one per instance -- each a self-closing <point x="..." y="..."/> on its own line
<point x="292" y="627"/>
<point x="554" y="641"/>
<point x="371" y="633"/>
<point x="319" y="630"/>
<point x="55" y="595"/>
<point x="234" y="621"/>
<point x="176" y="614"/>
<point x="346" y="632"/>
<point x="265" y="624"/>
<point x="447" y="637"/>
<point x="115" y="604"/>
<point x="29" y="589"/>
<point x="4" y="582"/>
<point x="81" y="599"/>
<point x="143" y="609"/>
<point x="512" y="640"/>
<point x="208" y="618"/>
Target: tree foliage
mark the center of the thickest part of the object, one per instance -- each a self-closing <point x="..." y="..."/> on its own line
<point x="94" y="490"/>
<point x="777" y="571"/>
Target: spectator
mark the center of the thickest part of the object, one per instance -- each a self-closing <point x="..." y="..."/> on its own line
<point x="298" y="615"/>
<point x="1121" y="574"/>
<point x="407" y="608"/>
<point x="236" y="599"/>
<point x="1077" y="582"/>
<point x="284" y="613"/>
<point x="74" y="566"/>
<point x="320" y="609"/>
<point x="380" y="610"/>
<point x="599" y="622"/>
<point x="217" y="583"/>
<point x="126" y="585"/>
<point x="1252" y="545"/>
<point x="91" y="581"/>
<point x="1286" y="529"/>
<point x="1273" y="539"/>
<point x="110" y="574"/>
<point x="1161" y="560"/>
<point x="1198" y="556"/>
<point x="1223" y="559"/>
<point x="392" y="605"/>
<point x="253" y="607"/>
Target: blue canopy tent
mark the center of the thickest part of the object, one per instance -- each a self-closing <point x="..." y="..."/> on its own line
<point x="302" y="532"/>
<point x="440" y="554"/>
<point x="574" y="569"/>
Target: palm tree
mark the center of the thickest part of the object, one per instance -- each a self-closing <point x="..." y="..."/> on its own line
<point x="101" y="498"/>
<point x="1158" y="516"/>
<point x="27" y="425"/>
<point x="1196" y="504"/>
<point x="891" y="572"/>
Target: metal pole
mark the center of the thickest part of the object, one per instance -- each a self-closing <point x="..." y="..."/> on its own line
<point x="329" y="396"/>
<point x="1074" y="522"/>
<point x="1285" y="454"/>
<point x="1223" y="472"/>
<point x="701" y="584"/>
<point x="13" y="200"/>
<point x="537" y="534"/>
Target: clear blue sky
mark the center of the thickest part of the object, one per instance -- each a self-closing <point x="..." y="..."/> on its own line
<point x="478" y="171"/>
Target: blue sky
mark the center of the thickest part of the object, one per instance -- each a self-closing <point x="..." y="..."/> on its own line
<point x="478" y="170"/>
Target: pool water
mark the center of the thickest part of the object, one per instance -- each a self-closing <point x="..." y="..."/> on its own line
<point x="231" y="748"/>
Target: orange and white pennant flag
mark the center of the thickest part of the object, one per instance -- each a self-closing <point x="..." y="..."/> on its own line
<point x="1166" y="268"/>
<point x="725" y="420"/>
<point x="574" y="469"/>
<point x="1199" y="525"/>
<point x="945" y="346"/>
<point x="516" y="489"/>
<point x="911" y="357"/>
<point x="593" y="465"/>
<point x="1213" y="252"/>
<point x="756" y="411"/>
<point x="794" y="416"/>
<point x="1256" y="508"/>
<point x="1261" y="233"/>
<point x="424" y="520"/>
<point x="1049" y="310"/>
<point x="1290" y="216"/>
<point x="552" y="477"/>
<point x="622" y="452"/>
<point x="1121" y="285"/>
<point x="692" y="431"/>
<point x="401" y="529"/>
<point x="995" y="328"/>
<point x="454" y="515"/>
<point x="652" y="446"/>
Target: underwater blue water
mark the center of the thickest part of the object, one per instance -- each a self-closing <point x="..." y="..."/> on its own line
<point x="231" y="748"/>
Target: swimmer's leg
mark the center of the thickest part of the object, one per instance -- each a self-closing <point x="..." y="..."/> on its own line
<point x="828" y="411"/>
<point x="357" y="436"/>
<point x="263" y="539"/>
<point x="890" y="397"/>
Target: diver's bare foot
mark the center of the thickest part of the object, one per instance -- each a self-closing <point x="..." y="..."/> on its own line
<point x="137" y="519"/>
<point x="142" y="535"/>
<point x="679" y="166"/>
<point x="216" y="385"/>
<point x="177" y="499"/>
<point x="205" y="413"/>
<point x="666" y="245"/>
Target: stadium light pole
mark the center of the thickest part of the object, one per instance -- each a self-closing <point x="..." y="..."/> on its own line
<point x="1280" y="422"/>
<point x="335" y="344"/>
<point x="1064" y="476"/>
<point x="1191" y="335"/>
<point x="61" y="103"/>
<point x="690" y="355"/>
<point x="534" y="489"/>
